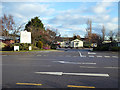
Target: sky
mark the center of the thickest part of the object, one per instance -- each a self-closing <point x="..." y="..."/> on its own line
<point x="67" y="17"/>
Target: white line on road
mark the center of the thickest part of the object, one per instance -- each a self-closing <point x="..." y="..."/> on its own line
<point x="88" y="74"/>
<point x="91" y="53"/>
<point x="81" y="54"/>
<point x="99" y="56"/>
<point x="115" y="56"/>
<point x="83" y="74"/>
<point x="107" y="56"/>
<point x="64" y="62"/>
<point x="51" y="73"/>
<point x="91" y="56"/>
<point x="99" y="67"/>
<point x="38" y="55"/>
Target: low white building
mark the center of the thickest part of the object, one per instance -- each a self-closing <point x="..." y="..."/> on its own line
<point x="64" y="44"/>
<point x="76" y="43"/>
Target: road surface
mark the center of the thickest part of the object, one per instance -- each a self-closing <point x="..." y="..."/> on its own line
<point x="67" y="68"/>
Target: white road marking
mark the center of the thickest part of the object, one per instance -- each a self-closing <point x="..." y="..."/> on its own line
<point x="115" y="56"/>
<point x="87" y="74"/>
<point x="81" y="54"/>
<point x="64" y="62"/>
<point x="111" y="67"/>
<point x="91" y="53"/>
<point x="99" y="67"/>
<point x="51" y="73"/>
<point x="38" y="55"/>
<point x="83" y="74"/>
<point x="91" y="56"/>
<point x="99" y="56"/>
<point x="107" y="56"/>
<point x="87" y="67"/>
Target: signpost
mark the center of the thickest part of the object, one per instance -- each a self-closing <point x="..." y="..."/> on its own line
<point x="25" y="37"/>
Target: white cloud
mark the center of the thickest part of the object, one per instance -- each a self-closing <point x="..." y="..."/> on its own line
<point x="67" y="21"/>
<point x="101" y="7"/>
<point x="115" y="19"/>
<point x="35" y="8"/>
<point x="111" y="26"/>
<point x="1" y="9"/>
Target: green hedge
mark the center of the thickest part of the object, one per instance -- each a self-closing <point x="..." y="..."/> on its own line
<point x="106" y="48"/>
<point x="22" y="46"/>
<point x="115" y="48"/>
<point x="53" y="46"/>
<point x="86" y="44"/>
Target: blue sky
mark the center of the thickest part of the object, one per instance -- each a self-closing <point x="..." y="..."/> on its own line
<point x="67" y="17"/>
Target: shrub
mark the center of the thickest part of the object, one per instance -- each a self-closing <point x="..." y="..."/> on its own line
<point x="46" y="47"/>
<point x="115" y="48"/>
<point x="53" y="46"/>
<point x="22" y="46"/>
<point x="101" y="48"/>
<point x="40" y="44"/>
<point x="87" y="44"/>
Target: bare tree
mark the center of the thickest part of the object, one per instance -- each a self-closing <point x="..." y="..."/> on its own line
<point x="9" y="28"/>
<point x="89" y="29"/>
<point x="111" y="35"/>
<point x="103" y="33"/>
<point x="118" y="36"/>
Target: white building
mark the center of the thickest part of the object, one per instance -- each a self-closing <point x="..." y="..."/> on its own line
<point x="76" y="43"/>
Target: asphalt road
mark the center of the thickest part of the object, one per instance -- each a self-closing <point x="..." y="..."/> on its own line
<point x="67" y="68"/>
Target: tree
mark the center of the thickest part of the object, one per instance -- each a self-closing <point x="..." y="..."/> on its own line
<point x="117" y="36"/>
<point x="9" y="27"/>
<point x="89" y="30"/>
<point x="111" y="35"/>
<point x="7" y="24"/>
<point x="103" y="33"/>
<point x="76" y="37"/>
<point x="36" y="27"/>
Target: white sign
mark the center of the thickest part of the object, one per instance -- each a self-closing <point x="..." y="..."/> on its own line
<point x="30" y="48"/>
<point x="25" y="37"/>
<point x="16" y="48"/>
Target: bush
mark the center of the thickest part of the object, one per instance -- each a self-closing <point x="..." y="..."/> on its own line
<point x="101" y="48"/>
<point x="46" y="47"/>
<point x="115" y="48"/>
<point x="39" y="44"/>
<point x="22" y="46"/>
<point x="87" y="45"/>
<point x="53" y="46"/>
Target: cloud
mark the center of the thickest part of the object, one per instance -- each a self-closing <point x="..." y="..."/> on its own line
<point x="114" y="20"/>
<point x="101" y="7"/>
<point x="1" y="9"/>
<point x="67" y="21"/>
<point x="39" y="9"/>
